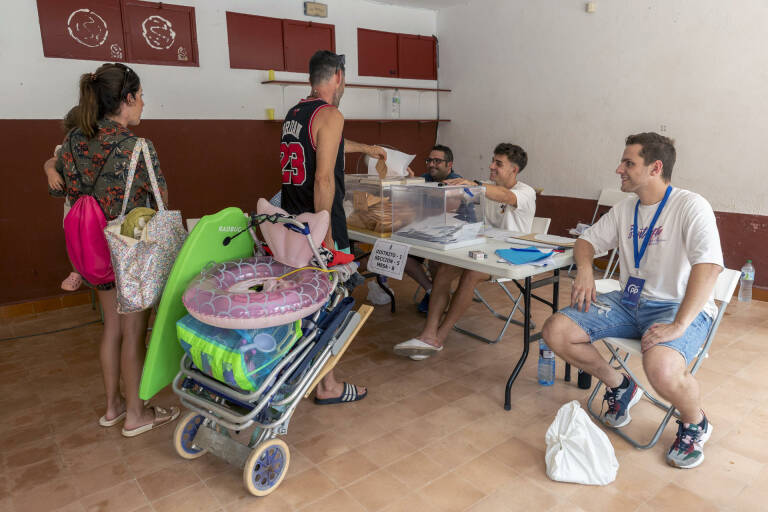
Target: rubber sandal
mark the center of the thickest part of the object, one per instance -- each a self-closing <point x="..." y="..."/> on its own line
<point x="416" y="347"/>
<point x="104" y="422"/>
<point x="349" y="394"/>
<point x="72" y="283"/>
<point x="162" y="417"/>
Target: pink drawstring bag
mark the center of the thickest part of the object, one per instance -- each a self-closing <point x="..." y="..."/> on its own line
<point x="84" y="234"/>
<point x="289" y="247"/>
<point x="86" y="244"/>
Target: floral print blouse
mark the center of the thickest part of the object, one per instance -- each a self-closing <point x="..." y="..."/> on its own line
<point x="106" y="159"/>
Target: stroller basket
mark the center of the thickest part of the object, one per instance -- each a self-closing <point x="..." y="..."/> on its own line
<point x="242" y="359"/>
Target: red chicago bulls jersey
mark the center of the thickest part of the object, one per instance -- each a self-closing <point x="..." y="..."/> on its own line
<point x="298" y="161"/>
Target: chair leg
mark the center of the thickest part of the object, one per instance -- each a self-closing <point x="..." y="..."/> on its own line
<point x="516" y="304"/>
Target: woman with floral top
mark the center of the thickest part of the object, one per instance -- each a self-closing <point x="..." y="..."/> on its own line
<point x="95" y="158"/>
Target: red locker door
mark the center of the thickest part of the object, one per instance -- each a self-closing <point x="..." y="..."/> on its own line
<point x="416" y="57"/>
<point x="301" y="40"/>
<point x="159" y="33"/>
<point x="376" y="53"/>
<point x="82" y="29"/>
<point x="255" y="42"/>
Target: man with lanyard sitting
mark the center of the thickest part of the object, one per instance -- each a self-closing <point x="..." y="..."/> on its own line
<point x="439" y="168"/>
<point x="670" y="258"/>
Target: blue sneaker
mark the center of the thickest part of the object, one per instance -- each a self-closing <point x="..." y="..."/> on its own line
<point x="620" y="401"/>
<point x="687" y="451"/>
<point x="423" y="306"/>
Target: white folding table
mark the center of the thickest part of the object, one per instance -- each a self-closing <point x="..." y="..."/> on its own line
<point x="526" y="273"/>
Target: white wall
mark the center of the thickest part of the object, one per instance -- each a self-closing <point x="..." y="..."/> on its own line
<point x="569" y="86"/>
<point x="35" y="87"/>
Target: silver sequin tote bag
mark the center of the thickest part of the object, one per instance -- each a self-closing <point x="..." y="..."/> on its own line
<point x="142" y="266"/>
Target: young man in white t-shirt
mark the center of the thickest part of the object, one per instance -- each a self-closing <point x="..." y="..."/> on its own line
<point x="513" y="205"/>
<point x="670" y="257"/>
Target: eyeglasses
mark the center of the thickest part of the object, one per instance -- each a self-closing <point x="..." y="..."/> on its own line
<point x="341" y="62"/>
<point x="434" y="160"/>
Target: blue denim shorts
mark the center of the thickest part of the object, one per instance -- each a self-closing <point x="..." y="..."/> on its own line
<point x="627" y="322"/>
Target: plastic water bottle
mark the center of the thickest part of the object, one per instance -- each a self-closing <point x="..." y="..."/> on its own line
<point x="546" y="365"/>
<point x="396" y="104"/>
<point x="746" y="282"/>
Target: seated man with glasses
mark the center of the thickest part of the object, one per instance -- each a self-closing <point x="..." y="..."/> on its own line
<point x="439" y="168"/>
<point x="509" y="204"/>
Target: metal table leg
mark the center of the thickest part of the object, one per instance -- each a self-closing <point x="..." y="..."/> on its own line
<point x="526" y="341"/>
<point x="527" y="336"/>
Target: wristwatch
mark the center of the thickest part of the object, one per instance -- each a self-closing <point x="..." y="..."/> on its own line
<point x="479" y="183"/>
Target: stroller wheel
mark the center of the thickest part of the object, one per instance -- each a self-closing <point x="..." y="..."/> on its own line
<point x="183" y="438"/>
<point x="266" y="467"/>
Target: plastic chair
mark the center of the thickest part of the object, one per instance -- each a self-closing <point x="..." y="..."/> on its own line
<point x="726" y="284"/>
<point x="540" y="225"/>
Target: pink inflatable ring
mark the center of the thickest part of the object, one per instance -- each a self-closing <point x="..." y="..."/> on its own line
<point x="248" y="294"/>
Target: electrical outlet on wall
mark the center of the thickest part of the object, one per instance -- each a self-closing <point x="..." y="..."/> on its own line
<point x="663" y="128"/>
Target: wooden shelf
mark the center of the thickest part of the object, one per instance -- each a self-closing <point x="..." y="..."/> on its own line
<point x="359" y="86"/>
<point x="380" y="120"/>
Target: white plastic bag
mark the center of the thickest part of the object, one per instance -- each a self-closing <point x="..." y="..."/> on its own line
<point x="577" y="450"/>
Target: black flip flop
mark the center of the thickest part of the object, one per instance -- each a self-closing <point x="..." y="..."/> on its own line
<point x="349" y="394"/>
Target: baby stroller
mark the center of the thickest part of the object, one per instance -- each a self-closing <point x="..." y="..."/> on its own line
<point x="221" y="410"/>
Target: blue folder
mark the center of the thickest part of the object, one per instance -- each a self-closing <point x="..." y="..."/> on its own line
<point x="522" y="256"/>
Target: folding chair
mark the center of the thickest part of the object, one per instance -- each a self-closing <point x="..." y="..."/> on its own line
<point x="540" y="225"/>
<point x="608" y="197"/>
<point x="726" y="284"/>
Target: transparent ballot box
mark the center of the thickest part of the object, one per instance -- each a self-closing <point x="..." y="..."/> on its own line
<point x="441" y="217"/>
<point x="368" y="205"/>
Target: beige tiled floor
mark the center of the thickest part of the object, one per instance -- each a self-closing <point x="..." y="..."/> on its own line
<point x="431" y="436"/>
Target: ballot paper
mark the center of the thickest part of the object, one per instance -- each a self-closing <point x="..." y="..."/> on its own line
<point x="397" y="163"/>
<point x="554" y="239"/>
<point x="501" y="234"/>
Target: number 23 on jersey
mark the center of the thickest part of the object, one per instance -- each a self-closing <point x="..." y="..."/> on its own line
<point x="292" y="163"/>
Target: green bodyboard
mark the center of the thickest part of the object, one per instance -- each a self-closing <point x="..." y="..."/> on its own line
<point x="203" y="245"/>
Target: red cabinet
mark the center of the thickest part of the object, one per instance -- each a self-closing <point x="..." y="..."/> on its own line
<point x="258" y="42"/>
<point x="118" y="30"/>
<point x="255" y="42"/>
<point x="396" y="55"/>
<point x="416" y="57"/>
<point x="376" y="53"/>
<point x="160" y="33"/>
<point x="87" y="29"/>
<point x="302" y="39"/>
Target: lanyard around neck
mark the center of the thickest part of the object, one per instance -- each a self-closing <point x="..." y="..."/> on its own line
<point x="647" y="238"/>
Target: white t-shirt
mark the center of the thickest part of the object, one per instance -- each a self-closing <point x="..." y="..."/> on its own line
<point x="513" y="218"/>
<point x="684" y="235"/>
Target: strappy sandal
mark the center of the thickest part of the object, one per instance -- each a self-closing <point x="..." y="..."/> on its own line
<point x="162" y="417"/>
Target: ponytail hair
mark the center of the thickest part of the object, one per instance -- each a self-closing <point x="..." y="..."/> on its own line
<point x="101" y="94"/>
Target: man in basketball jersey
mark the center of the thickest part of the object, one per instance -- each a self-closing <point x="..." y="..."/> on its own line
<point x="312" y="162"/>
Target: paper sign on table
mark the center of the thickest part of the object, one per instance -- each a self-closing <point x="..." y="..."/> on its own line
<point x="397" y="163"/>
<point x="388" y="258"/>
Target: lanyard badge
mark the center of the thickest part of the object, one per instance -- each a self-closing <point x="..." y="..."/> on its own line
<point x="634" y="286"/>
